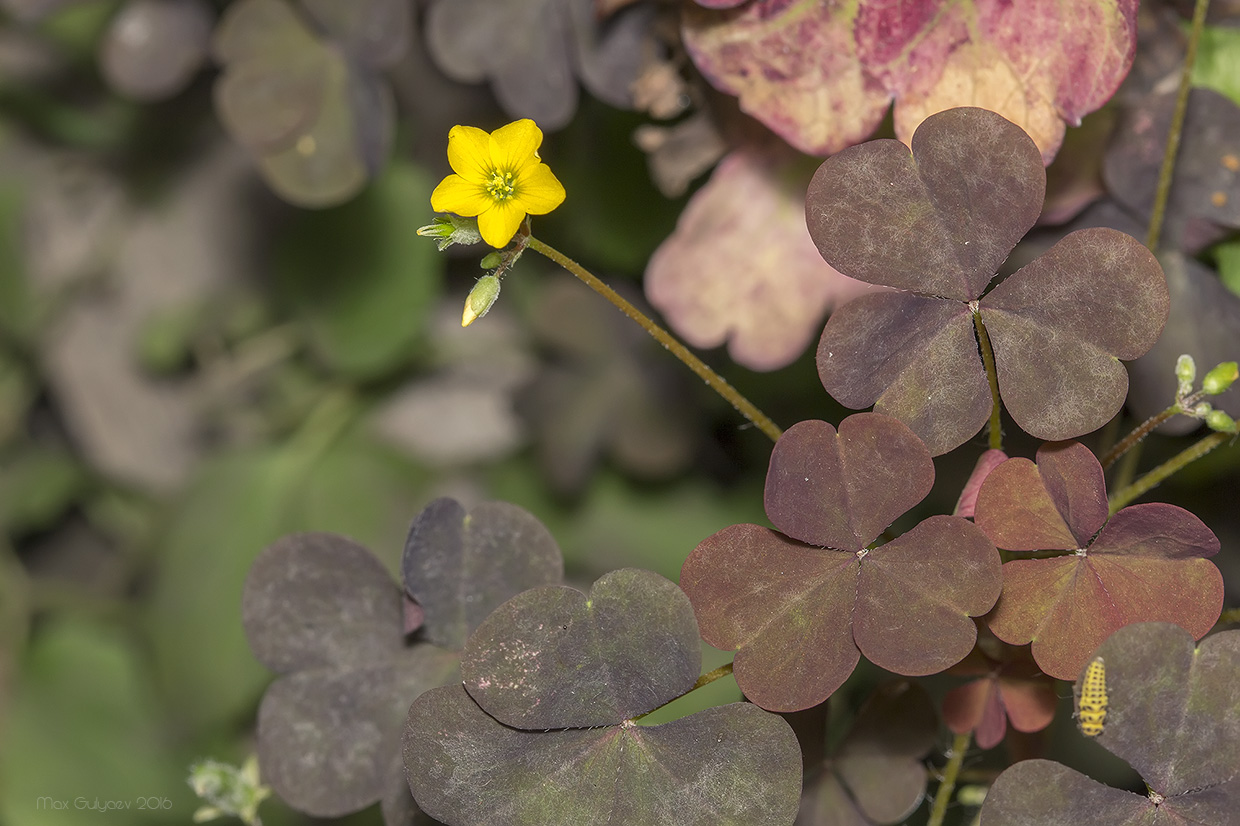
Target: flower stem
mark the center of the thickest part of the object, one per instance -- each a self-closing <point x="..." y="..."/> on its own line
<point x="706" y="679"/>
<point x="710" y="676"/>
<point x="1177" y="127"/>
<point x="1158" y="474"/>
<point x="1228" y="617"/>
<point x="716" y="382"/>
<point x="947" y="786"/>
<point x="1138" y="433"/>
<point x="988" y="360"/>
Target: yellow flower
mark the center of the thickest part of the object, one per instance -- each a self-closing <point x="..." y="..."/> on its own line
<point x="499" y="178"/>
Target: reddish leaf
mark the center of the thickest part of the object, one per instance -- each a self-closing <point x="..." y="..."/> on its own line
<point x="785" y="605"/>
<point x="793" y="66"/>
<point x="977" y="707"/>
<point x="1146" y="565"/>
<point x="917" y="594"/>
<point x="1035" y="63"/>
<point x="799" y="613"/>
<point x="741" y="267"/>
<point x="1059" y="503"/>
<point x="1012" y="688"/>
<point x="820" y="75"/>
<point x="1080" y="320"/>
<point x="840" y="490"/>
<point x="988" y="461"/>
<point x="914" y="358"/>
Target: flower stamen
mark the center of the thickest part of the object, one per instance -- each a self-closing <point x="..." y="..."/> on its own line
<point x="500" y="185"/>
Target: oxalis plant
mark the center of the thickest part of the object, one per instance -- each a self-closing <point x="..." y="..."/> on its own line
<point x="482" y="690"/>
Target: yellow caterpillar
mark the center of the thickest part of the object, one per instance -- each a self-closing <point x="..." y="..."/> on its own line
<point x="1092" y="708"/>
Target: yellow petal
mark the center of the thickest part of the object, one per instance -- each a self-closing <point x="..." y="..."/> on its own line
<point x="469" y="153"/>
<point x="538" y="190"/>
<point x="455" y="194"/>
<point x="513" y="147"/>
<point x="499" y="223"/>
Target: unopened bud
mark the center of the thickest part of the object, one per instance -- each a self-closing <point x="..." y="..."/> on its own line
<point x="1220" y="421"/>
<point x="1202" y="409"/>
<point x="491" y="260"/>
<point x="1220" y="378"/>
<point x="1185" y="374"/>
<point x="451" y="229"/>
<point x="480" y="299"/>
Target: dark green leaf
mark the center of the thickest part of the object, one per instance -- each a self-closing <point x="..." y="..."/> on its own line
<point x="733" y="765"/>
<point x="554" y="658"/>
<point x="460" y="566"/>
<point x="360" y="278"/>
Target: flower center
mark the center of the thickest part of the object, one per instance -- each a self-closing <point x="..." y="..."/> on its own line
<point x="500" y="185"/>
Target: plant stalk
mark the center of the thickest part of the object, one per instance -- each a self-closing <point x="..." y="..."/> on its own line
<point x="706" y="679"/>
<point x="1153" y="236"/>
<point x="947" y="787"/>
<point x="1228" y="617"/>
<point x="992" y="376"/>
<point x="716" y="382"/>
<point x="1138" y="433"/>
<point x="1158" y="474"/>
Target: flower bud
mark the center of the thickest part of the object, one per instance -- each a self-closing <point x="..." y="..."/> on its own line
<point x="1220" y="421"/>
<point x="491" y="260"/>
<point x="1185" y="374"/>
<point x="1220" y="378"/>
<point x="1202" y="409"/>
<point x="451" y="229"/>
<point x="481" y="297"/>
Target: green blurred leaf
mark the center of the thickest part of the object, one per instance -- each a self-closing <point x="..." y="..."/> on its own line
<point x="16" y="394"/>
<point x="614" y="217"/>
<point x="84" y="734"/>
<point x="15" y="303"/>
<point x="619" y="523"/>
<point x="1229" y="265"/>
<point x="239" y="504"/>
<point x="37" y="485"/>
<point x="1218" y="61"/>
<point x="358" y="276"/>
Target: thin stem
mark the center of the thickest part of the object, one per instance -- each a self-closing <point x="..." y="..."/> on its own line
<point x="716" y="382"/>
<point x="710" y="676"/>
<point x="706" y="679"/>
<point x="947" y="787"/>
<point x="1229" y="617"/>
<point x="1127" y="470"/>
<point x="988" y="360"/>
<point x="1138" y="433"/>
<point x="1175" y="463"/>
<point x="1177" y="127"/>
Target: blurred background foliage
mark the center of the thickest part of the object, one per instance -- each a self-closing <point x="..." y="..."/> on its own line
<point x="217" y="326"/>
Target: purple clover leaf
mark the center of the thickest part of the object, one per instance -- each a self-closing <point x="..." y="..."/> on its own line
<point x="801" y="604"/>
<point x="937" y="223"/>
<point x="1171" y="715"/>
<point x="324" y="613"/>
<point x="543" y="730"/>
<point x="1147" y="563"/>
<point x="878" y="773"/>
